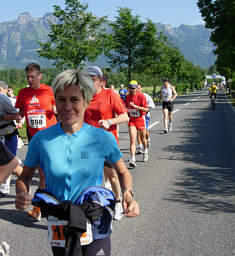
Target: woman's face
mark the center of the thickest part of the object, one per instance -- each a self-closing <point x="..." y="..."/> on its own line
<point x="70" y="105"/>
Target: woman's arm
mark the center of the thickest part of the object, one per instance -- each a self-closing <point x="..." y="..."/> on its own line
<point x="130" y="206"/>
<point x="23" y="199"/>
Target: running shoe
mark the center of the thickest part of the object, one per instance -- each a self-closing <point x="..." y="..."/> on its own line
<point x="118" y="212"/>
<point x="107" y="185"/>
<point x="148" y="144"/>
<point x="140" y="150"/>
<point x="170" y="127"/>
<point x="165" y="131"/>
<point x="4" y="249"/>
<point x="35" y="213"/>
<point x="5" y="189"/>
<point x="132" y="164"/>
<point x="145" y="157"/>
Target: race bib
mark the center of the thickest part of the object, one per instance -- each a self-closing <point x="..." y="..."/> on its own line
<point x="87" y="237"/>
<point x="37" y="121"/>
<point x="134" y="113"/>
<point x="57" y="232"/>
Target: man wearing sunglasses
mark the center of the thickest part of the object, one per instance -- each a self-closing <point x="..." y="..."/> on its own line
<point x="136" y="104"/>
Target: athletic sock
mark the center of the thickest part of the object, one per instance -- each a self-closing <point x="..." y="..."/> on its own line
<point x="8" y="181"/>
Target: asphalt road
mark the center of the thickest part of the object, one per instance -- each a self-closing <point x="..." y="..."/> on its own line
<point x="186" y="190"/>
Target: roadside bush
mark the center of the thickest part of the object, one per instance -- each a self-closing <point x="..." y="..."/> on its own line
<point x="183" y="88"/>
<point x="233" y="84"/>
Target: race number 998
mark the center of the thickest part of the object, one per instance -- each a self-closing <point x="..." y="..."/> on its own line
<point x="37" y="121"/>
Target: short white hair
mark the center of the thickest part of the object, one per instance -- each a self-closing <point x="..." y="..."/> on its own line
<point x="3" y="85"/>
<point x="79" y="78"/>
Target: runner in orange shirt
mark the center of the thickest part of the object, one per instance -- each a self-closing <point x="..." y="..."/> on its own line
<point x="37" y="104"/>
<point x="105" y="111"/>
<point x="136" y="104"/>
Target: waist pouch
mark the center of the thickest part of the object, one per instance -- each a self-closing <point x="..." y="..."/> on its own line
<point x="8" y="129"/>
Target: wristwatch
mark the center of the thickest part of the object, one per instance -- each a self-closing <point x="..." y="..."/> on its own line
<point x="109" y="122"/>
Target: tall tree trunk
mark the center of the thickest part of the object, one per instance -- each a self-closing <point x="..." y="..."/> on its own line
<point x="129" y="66"/>
<point x="154" y="84"/>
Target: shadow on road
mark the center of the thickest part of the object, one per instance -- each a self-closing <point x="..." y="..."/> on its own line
<point x="20" y="218"/>
<point x="205" y="190"/>
<point x="208" y="143"/>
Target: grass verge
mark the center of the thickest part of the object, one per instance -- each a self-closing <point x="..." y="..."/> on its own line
<point x="231" y="98"/>
<point x="23" y="134"/>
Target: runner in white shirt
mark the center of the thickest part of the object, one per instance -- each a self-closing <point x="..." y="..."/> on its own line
<point x="151" y="104"/>
<point x="168" y="95"/>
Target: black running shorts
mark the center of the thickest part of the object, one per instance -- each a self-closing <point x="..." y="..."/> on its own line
<point x="97" y="247"/>
<point x="167" y="105"/>
<point x="5" y="155"/>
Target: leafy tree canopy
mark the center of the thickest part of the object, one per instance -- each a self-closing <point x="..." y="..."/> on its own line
<point x="219" y="15"/>
<point x="78" y="36"/>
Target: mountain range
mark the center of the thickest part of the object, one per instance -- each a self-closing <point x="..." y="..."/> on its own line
<point x="19" y="41"/>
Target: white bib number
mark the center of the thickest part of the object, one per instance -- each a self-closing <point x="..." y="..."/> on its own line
<point x="37" y="121"/>
<point x="134" y="113"/>
<point x="57" y="232"/>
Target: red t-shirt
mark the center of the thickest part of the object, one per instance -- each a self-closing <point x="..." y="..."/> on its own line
<point x="36" y="105"/>
<point x="103" y="106"/>
<point x="138" y="99"/>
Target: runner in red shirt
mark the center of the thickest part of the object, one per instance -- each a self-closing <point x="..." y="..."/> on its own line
<point x="37" y="104"/>
<point x="136" y="104"/>
<point x="105" y="111"/>
<point x="102" y="109"/>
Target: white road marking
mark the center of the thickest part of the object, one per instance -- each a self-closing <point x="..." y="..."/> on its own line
<point x="186" y="104"/>
<point x="176" y="110"/>
<point x="150" y="126"/>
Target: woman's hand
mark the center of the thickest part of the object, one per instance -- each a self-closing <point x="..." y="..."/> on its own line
<point x="23" y="201"/>
<point x="130" y="206"/>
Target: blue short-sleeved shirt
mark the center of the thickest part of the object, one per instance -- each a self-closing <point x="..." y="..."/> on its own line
<point x="74" y="162"/>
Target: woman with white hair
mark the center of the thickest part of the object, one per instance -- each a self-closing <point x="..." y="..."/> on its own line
<point x="72" y="154"/>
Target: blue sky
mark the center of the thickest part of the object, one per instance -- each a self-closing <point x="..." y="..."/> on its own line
<point x="172" y="12"/>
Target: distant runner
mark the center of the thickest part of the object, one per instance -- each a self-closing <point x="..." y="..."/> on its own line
<point x="168" y="95"/>
<point x="147" y="117"/>
<point x="136" y="104"/>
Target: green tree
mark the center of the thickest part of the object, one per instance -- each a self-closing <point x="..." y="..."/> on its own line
<point x="76" y="38"/>
<point x="126" y="39"/>
<point x="152" y="57"/>
<point x="212" y="69"/>
<point x="219" y="16"/>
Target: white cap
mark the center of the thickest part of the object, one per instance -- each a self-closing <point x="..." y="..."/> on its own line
<point x="94" y="71"/>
